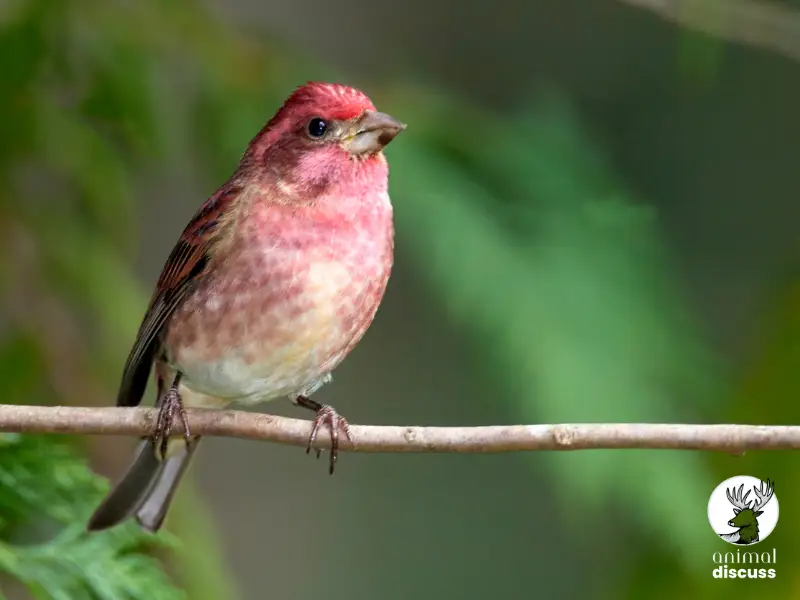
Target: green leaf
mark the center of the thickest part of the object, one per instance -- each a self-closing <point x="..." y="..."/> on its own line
<point x="42" y="478"/>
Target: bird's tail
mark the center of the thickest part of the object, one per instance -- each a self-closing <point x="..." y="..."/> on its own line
<point x="147" y="488"/>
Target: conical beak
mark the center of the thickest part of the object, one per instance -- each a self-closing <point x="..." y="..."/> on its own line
<point x="372" y="131"/>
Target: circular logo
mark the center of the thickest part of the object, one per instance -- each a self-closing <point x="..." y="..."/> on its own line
<point x="743" y="510"/>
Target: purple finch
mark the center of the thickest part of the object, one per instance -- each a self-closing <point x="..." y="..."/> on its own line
<point x="273" y="282"/>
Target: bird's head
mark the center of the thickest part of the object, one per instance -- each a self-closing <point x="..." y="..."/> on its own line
<point x="325" y="135"/>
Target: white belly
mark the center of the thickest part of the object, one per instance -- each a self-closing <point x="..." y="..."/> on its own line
<point x="233" y="380"/>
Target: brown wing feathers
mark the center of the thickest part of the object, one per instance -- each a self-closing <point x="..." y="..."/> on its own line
<point x="185" y="265"/>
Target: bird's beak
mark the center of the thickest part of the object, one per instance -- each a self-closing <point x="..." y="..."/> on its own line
<point x="371" y="132"/>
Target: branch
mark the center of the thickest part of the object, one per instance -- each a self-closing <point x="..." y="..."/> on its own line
<point x="757" y="23"/>
<point x="503" y="438"/>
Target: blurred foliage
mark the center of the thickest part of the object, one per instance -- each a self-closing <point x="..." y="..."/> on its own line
<point x="533" y="247"/>
<point x="568" y="292"/>
<point x="43" y="481"/>
<point x="761" y="394"/>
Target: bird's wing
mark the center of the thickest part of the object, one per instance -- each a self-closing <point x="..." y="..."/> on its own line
<point x="185" y="266"/>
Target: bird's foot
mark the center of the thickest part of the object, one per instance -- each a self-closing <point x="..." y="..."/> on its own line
<point x="170" y="407"/>
<point x="326" y="415"/>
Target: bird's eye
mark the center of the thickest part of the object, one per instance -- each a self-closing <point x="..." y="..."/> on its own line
<point x="317" y="127"/>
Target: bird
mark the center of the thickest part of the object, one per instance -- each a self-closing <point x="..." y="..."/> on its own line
<point x="272" y="283"/>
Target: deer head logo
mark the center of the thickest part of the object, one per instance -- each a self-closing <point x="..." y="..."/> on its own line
<point x="746" y="513"/>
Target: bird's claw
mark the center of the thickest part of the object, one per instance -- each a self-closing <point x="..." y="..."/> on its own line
<point x="165" y="422"/>
<point x="326" y="415"/>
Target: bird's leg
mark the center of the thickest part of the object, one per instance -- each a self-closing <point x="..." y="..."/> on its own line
<point x="326" y="415"/>
<point x="170" y="404"/>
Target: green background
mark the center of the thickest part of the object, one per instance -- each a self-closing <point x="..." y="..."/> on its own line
<point x="597" y="221"/>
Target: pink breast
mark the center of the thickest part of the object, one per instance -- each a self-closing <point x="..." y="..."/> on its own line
<point x="285" y="302"/>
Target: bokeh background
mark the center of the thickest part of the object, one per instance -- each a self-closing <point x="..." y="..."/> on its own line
<point x="597" y="220"/>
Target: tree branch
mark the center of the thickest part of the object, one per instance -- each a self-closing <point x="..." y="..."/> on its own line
<point x="503" y="438"/>
<point x="758" y="23"/>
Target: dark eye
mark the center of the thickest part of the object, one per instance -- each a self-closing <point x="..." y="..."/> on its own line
<point x="317" y="127"/>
